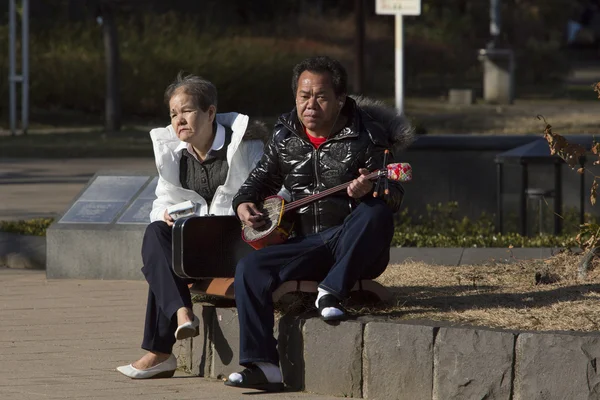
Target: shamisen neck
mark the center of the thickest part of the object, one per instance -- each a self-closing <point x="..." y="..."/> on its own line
<point x="309" y="199"/>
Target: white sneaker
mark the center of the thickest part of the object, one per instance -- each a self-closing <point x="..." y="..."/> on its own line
<point x="165" y="369"/>
<point x="188" y="330"/>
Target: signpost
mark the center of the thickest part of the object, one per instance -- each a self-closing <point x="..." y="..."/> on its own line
<point x="398" y="8"/>
<point x="13" y="78"/>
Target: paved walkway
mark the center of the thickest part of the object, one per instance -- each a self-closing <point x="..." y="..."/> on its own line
<point x="62" y="339"/>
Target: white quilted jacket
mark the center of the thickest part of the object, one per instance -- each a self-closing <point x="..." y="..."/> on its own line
<point x="242" y="156"/>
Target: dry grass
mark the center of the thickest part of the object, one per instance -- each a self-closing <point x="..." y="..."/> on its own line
<point x="495" y="295"/>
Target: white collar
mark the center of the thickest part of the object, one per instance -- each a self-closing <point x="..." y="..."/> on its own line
<point x="217" y="144"/>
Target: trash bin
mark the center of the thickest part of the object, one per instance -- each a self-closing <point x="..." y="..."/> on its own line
<point x="498" y="75"/>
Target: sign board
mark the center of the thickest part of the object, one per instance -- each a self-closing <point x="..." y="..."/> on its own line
<point x="138" y="211"/>
<point x="106" y="197"/>
<point x="398" y="7"/>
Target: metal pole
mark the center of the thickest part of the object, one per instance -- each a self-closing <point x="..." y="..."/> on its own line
<point x="541" y="215"/>
<point x="12" y="79"/>
<point x="582" y="193"/>
<point x="25" y="67"/>
<point x="524" y="184"/>
<point x="359" y="56"/>
<point x="495" y="22"/>
<point x="399" y="64"/>
<point x="557" y="198"/>
<point x="500" y="194"/>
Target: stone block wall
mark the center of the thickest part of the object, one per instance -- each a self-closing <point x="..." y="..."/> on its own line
<point x="376" y="358"/>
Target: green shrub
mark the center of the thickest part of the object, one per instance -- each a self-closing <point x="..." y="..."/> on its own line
<point x="252" y="70"/>
<point x="440" y="227"/>
<point x="34" y="227"/>
<point x="252" y="74"/>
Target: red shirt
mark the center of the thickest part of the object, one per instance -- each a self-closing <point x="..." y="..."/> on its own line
<point x="316" y="141"/>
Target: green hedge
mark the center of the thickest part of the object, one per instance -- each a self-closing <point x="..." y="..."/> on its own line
<point x="436" y="239"/>
<point x="34" y="227"/>
<point x="252" y="74"/>
<point x="439" y="227"/>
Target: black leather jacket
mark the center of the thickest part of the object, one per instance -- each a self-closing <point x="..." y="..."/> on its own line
<point x="292" y="161"/>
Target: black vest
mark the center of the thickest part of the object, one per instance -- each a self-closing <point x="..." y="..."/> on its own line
<point x="205" y="177"/>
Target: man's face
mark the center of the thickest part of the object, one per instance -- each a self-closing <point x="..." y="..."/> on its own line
<point x="316" y="102"/>
<point x="188" y="120"/>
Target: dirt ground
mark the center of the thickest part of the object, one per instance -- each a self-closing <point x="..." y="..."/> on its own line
<point x="565" y="116"/>
<point x="496" y="295"/>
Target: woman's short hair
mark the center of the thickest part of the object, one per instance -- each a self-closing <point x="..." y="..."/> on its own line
<point x="203" y="91"/>
<point x="319" y="65"/>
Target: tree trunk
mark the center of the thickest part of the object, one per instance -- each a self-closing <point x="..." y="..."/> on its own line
<point x="585" y="265"/>
<point x="112" y="60"/>
<point x="359" y="47"/>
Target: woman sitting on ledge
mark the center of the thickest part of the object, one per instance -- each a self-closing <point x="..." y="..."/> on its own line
<point x="202" y="157"/>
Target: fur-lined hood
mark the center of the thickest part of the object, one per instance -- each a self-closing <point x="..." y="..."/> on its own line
<point x="399" y="130"/>
<point x="257" y="130"/>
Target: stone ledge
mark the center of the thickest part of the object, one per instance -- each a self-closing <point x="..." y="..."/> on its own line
<point x="376" y="358"/>
<point x="83" y="252"/>
<point x="76" y="253"/>
<point x="115" y="253"/>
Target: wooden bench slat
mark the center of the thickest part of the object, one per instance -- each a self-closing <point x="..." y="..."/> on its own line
<point x="221" y="287"/>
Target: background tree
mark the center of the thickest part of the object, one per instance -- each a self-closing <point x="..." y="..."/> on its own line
<point x="112" y="103"/>
<point x="106" y="13"/>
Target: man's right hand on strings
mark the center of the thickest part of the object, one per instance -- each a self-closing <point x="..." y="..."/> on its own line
<point x="250" y="216"/>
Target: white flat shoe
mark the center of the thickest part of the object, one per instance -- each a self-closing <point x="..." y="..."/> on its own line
<point x="188" y="330"/>
<point x="165" y="369"/>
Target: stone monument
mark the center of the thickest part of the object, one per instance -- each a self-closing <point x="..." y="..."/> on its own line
<point x="100" y="234"/>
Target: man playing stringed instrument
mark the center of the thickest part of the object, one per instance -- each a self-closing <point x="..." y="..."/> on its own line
<point x="328" y="139"/>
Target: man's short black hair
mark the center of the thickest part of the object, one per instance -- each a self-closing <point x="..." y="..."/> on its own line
<point x="323" y="64"/>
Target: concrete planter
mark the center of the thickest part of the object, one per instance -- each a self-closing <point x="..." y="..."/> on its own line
<point x="115" y="254"/>
<point x="382" y="359"/>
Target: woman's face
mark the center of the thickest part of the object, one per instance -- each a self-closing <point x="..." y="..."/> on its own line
<point x="188" y="120"/>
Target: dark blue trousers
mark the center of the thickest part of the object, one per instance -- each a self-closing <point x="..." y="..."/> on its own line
<point x="337" y="258"/>
<point x="167" y="292"/>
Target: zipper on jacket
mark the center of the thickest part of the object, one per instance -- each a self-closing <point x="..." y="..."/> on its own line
<point x="315" y="169"/>
<point x="315" y="166"/>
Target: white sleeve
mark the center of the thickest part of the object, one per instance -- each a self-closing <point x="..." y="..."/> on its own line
<point x="249" y="152"/>
<point x="254" y="153"/>
<point x="162" y="201"/>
